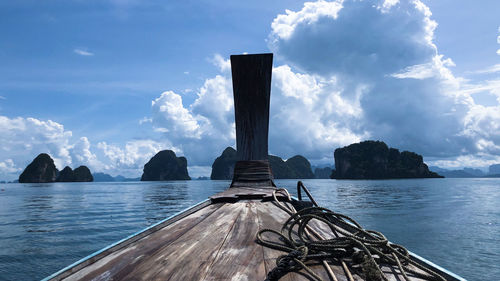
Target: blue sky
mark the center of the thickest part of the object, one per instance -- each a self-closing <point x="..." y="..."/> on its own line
<point x="109" y="83"/>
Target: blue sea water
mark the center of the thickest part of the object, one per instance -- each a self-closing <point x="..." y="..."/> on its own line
<point x="452" y="222"/>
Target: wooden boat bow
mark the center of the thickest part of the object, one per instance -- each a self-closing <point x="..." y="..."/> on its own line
<point x="216" y="239"/>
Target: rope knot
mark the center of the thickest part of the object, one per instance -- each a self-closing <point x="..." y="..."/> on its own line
<point x="287" y="263"/>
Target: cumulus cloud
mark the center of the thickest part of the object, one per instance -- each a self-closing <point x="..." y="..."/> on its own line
<point x="170" y="116"/>
<point x="309" y="115"/>
<point x="204" y="128"/>
<point x="411" y="99"/>
<point x="24" y="138"/>
<point x="221" y="63"/>
<point x="344" y="80"/>
<point x="129" y="159"/>
<point x="82" y="155"/>
<point x="284" y="26"/>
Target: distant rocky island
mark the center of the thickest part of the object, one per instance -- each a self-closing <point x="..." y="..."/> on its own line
<point x="375" y="160"/>
<point x="364" y="160"/>
<point x="165" y="165"/>
<point x="493" y="172"/>
<point x="296" y="167"/>
<point x="102" y="177"/>
<point x="322" y="173"/>
<point x="42" y="169"/>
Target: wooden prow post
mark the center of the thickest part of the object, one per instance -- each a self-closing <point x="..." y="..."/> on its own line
<point x="252" y="92"/>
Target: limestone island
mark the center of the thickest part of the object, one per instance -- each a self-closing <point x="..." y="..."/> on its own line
<point x="375" y="160"/>
<point x="164" y="166"/>
<point x="42" y="169"/>
<point x="80" y="174"/>
<point x="296" y="167"/>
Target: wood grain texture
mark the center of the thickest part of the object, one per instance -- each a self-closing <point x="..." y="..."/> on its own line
<point x="216" y="242"/>
<point x="240" y="258"/>
<point x="251" y="89"/>
<point x="123" y="261"/>
<point x="190" y="256"/>
<point x="271" y="217"/>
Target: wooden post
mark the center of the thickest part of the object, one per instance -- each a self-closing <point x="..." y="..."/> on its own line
<point x="252" y="92"/>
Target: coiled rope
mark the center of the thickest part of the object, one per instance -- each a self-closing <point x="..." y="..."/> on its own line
<point x="362" y="249"/>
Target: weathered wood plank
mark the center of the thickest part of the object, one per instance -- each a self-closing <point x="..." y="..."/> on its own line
<point x="271" y="217"/>
<point x="240" y="258"/>
<point x="190" y="256"/>
<point x="122" y="262"/>
<point x="213" y="243"/>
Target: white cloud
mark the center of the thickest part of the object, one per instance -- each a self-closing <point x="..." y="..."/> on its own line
<point x="221" y="63"/>
<point x="410" y="97"/>
<point x="479" y="160"/>
<point x="129" y="160"/>
<point x="309" y="116"/>
<point x="81" y="155"/>
<point x="83" y="52"/>
<point x="24" y="138"/>
<point x="381" y="78"/>
<point x="204" y="128"/>
<point x="284" y="26"/>
<point x="8" y="167"/>
<point x="170" y="115"/>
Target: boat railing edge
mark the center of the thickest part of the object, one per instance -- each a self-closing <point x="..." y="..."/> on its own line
<point x="135" y="235"/>
<point x="440" y="268"/>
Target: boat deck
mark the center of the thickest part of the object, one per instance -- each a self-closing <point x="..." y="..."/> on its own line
<point x="213" y="241"/>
